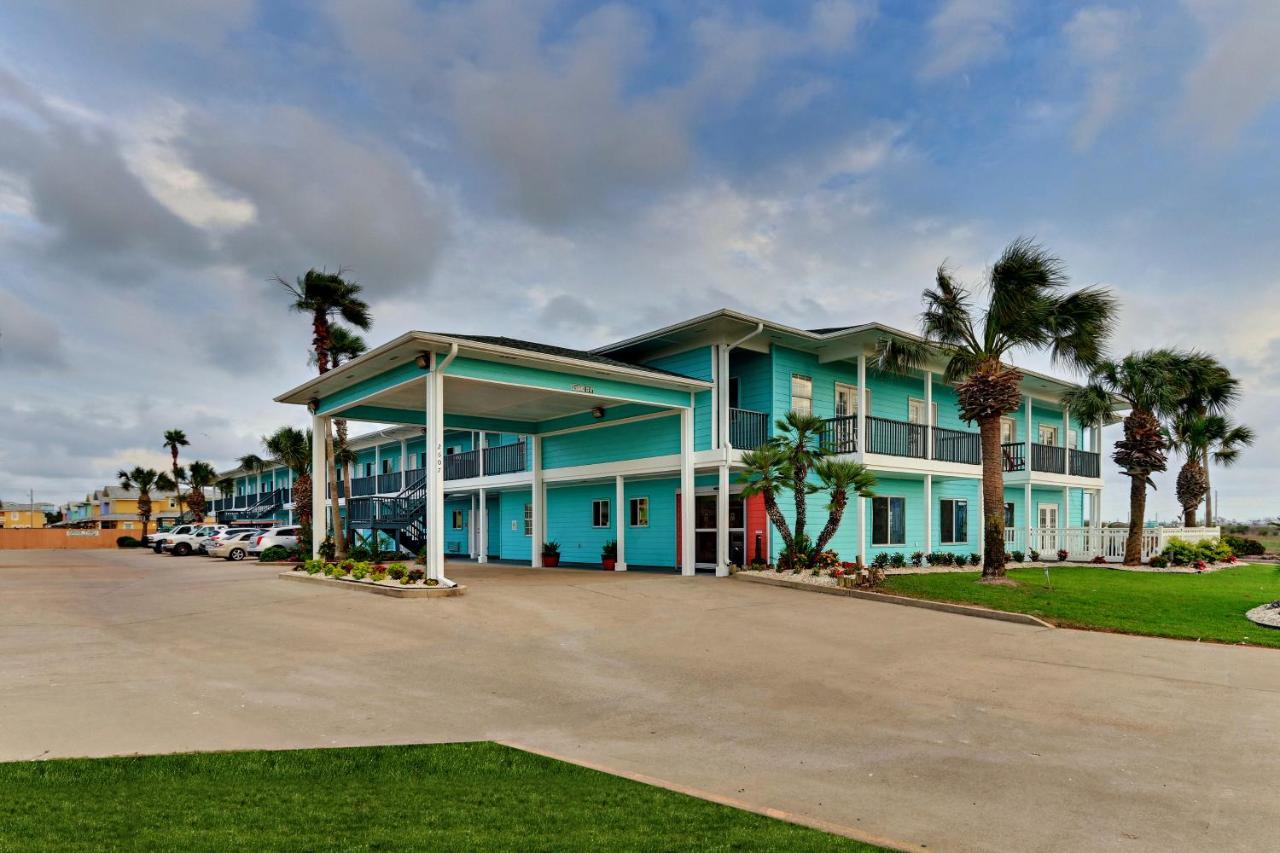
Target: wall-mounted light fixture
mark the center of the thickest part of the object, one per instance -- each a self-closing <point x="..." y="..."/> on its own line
<point x="313" y="405"/>
<point x="597" y="412"/>
<point x="423" y="360"/>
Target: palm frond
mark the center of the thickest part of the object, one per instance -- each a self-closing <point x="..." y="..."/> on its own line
<point x="900" y="356"/>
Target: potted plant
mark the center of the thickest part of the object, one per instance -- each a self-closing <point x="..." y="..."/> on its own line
<point x="609" y="555"/>
<point x="551" y="553"/>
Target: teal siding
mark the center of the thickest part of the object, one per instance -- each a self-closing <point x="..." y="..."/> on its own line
<point x="654" y="545"/>
<point x="695" y="363"/>
<point x="513" y="544"/>
<point x="824" y="376"/>
<point x="754" y="372"/>
<point x="653" y="437"/>
<point x="493" y="539"/>
<point x="569" y="521"/>
<point x="958" y="489"/>
<point x="457" y="542"/>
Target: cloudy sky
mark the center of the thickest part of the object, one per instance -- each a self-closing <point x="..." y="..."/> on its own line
<point x="577" y="172"/>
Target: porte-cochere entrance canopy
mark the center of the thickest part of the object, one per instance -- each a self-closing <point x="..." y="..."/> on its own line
<point x="504" y="386"/>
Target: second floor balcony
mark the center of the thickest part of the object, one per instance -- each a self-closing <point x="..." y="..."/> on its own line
<point x="500" y="459"/>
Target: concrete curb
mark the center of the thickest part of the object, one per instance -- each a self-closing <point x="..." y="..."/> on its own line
<point x="923" y="603"/>
<point x="377" y="589"/>
<point x="741" y="805"/>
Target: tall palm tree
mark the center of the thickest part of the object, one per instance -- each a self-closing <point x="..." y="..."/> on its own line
<point x="291" y="447"/>
<point x="1204" y="437"/>
<point x="1027" y="310"/>
<point x="143" y="480"/>
<point x="325" y="296"/>
<point x="798" y="439"/>
<point x="200" y="476"/>
<point x="174" y="439"/>
<point x="344" y="345"/>
<point x="840" y="478"/>
<point x="1212" y="391"/>
<point x="1151" y="384"/>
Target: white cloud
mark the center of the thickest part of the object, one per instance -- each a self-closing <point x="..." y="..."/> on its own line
<point x="1237" y="76"/>
<point x="1097" y="38"/>
<point x="964" y="34"/>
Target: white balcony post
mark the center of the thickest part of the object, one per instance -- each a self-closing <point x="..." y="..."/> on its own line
<point x="928" y="416"/>
<point x="480" y="442"/>
<point x="1065" y="521"/>
<point x="723" y="416"/>
<point x="686" y="490"/>
<point x="1066" y="426"/>
<point x="928" y="513"/>
<point x="1028" y="407"/>
<point x="1031" y="516"/>
<point x="620" y="521"/>
<point x="538" y="495"/>
<point x="861" y="403"/>
<point x="404" y="459"/>
<point x="722" y="522"/>
<point x="435" y="471"/>
<point x="319" y="427"/>
<point x="377" y="467"/>
<point x="861" y="504"/>
<point x="482" y="527"/>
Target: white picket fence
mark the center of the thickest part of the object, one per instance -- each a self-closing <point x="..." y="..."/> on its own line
<point x="1085" y="543"/>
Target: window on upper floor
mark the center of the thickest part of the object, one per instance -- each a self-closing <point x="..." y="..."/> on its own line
<point x="847" y="400"/>
<point x="1048" y="435"/>
<point x="734" y="392"/>
<point x="1008" y="430"/>
<point x="386" y="466"/>
<point x="368" y="469"/>
<point x="801" y="393"/>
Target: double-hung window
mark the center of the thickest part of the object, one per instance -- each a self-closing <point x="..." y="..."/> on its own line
<point x="639" y="512"/>
<point x="599" y="513"/>
<point x="954" y="521"/>
<point x="528" y="519"/>
<point x="888" y="521"/>
<point x="801" y="393"/>
<point x="457" y="519"/>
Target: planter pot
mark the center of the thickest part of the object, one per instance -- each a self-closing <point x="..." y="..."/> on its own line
<point x="608" y="563"/>
<point x="550" y="561"/>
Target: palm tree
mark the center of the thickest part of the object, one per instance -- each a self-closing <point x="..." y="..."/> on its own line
<point x="144" y="480"/>
<point x="798" y="439"/>
<point x="1026" y="311"/>
<point x="200" y="476"/>
<point x="1151" y="384"/>
<point x="326" y="296"/>
<point x="344" y="345"/>
<point x="291" y="447"/>
<point x="839" y="478"/>
<point x="1204" y="437"/>
<point x="763" y="475"/>
<point x="173" y="439"/>
<point x="1212" y="391"/>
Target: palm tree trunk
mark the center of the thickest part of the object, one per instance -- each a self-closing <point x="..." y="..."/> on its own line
<point x="1137" y="516"/>
<point x="798" y="487"/>
<point x="779" y="521"/>
<point x="1189" y="516"/>
<point x="177" y="487"/>
<point x="1208" y="493"/>
<point x="993" y="558"/>
<point x="834" y="516"/>
<point x="335" y="512"/>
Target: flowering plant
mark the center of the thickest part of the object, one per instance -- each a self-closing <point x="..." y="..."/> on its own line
<point x="1200" y="565"/>
<point x="1063" y="554"/>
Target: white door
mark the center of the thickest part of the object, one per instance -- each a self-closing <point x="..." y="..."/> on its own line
<point x="844" y="433"/>
<point x="1048" y="524"/>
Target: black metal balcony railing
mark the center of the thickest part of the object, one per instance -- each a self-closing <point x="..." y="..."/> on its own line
<point x="1084" y="463"/>
<point x="951" y="445"/>
<point x="389" y="483"/>
<point x="1014" y="453"/>
<point x="362" y="486"/>
<point x="504" y="458"/>
<point x="460" y="466"/>
<point x="896" y="438"/>
<point x="747" y="429"/>
<point x="1048" y="459"/>
<point x="840" y="434"/>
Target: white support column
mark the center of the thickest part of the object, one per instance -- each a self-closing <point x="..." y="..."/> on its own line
<point x="722" y="521"/>
<point x="482" y="527"/>
<point x="471" y="528"/>
<point x="1065" y="521"/>
<point x="928" y="415"/>
<point x="1031" y="515"/>
<point x="377" y="465"/>
<point x="480" y="442"/>
<point x="1028" y="407"/>
<point x="717" y="436"/>
<point x="861" y="403"/>
<point x="928" y="513"/>
<point x="861" y="504"/>
<point x="435" y="472"/>
<point x="620" y="521"/>
<point x="319" y="427"/>
<point x="537" y="496"/>
<point x="723" y="400"/>
<point x="404" y="459"/>
<point x="1066" y="427"/>
<point x="686" y="490"/>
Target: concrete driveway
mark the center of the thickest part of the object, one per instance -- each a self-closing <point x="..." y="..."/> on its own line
<point x="920" y="727"/>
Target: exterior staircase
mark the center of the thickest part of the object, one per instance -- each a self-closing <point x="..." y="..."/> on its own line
<point x="401" y="516"/>
<point x="267" y="505"/>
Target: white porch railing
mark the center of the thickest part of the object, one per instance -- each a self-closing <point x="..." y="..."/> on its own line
<point x="1085" y="543"/>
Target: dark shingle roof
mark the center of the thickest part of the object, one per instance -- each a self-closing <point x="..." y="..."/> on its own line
<point x="828" y="330"/>
<point x="564" y="352"/>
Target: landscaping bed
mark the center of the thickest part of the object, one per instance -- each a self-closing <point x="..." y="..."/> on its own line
<point x="396" y="579"/>
<point x="458" y="796"/>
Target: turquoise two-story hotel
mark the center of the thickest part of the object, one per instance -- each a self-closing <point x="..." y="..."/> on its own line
<point x="500" y="445"/>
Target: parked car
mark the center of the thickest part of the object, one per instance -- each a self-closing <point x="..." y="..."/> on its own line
<point x="222" y="535"/>
<point x="233" y="546"/>
<point x="182" y="544"/>
<point x="286" y="537"/>
<point x="157" y="539"/>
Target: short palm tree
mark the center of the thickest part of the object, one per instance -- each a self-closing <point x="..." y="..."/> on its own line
<point x="1150" y="384"/>
<point x="763" y="475"/>
<point x="325" y="296"/>
<point x="174" y="439"/>
<point x="143" y="480"/>
<point x="1212" y="390"/>
<point x="798" y="439"/>
<point x="839" y="478"/>
<point x="291" y="447"/>
<point x="1199" y="438"/>
<point x="1027" y="310"/>
<point x="200" y="476"/>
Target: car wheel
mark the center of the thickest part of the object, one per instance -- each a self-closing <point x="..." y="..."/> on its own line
<point x="236" y="554"/>
<point x="156" y="547"/>
<point x="182" y="549"/>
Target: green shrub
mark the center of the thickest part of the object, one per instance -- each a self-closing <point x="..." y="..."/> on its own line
<point x="1158" y="562"/>
<point x="359" y="553"/>
<point x="975" y="558"/>
<point x="1034" y="555"/>
<point x="378" y="574"/>
<point x="397" y="570"/>
<point x="275" y="553"/>
<point x="1244" y="547"/>
<point x="127" y="542"/>
<point x="1180" y="552"/>
<point x="1016" y="556"/>
<point x="361" y="571"/>
<point x="897" y="561"/>
<point x="314" y="567"/>
<point x="917" y="559"/>
<point x="881" y="560"/>
<point x="416" y="575"/>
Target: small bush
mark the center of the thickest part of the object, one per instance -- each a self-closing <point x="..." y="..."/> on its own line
<point x="313" y="567"/>
<point x="897" y="561"/>
<point x="416" y="575"/>
<point x="327" y="549"/>
<point x="881" y="560"/>
<point x="274" y="554"/>
<point x="359" y="553"/>
<point x="432" y="582"/>
<point x="361" y="571"/>
<point x="1243" y="547"/>
<point x="975" y="558"/>
<point x="1158" y="562"/>
<point x="917" y="559"/>
<point x="127" y="542"/>
<point x="397" y="571"/>
<point x="1016" y="556"/>
<point x="378" y="575"/>
<point x="1099" y="560"/>
<point x="1063" y="554"/>
<point x="1034" y="555"/>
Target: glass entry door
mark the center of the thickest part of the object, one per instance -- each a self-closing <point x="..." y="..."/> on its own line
<point x="704" y="531"/>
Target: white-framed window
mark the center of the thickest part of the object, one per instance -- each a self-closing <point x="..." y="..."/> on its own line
<point x="954" y="521"/>
<point x="801" y="393"/>
<point x="847" y="399"/>
<point x="1008" y="430"/>
<point x="888" y="521"/>
<point x="600" y="513"/>
<point x="457" y="519"/>
<point x="638" y="515"/>
<point x="915" y="411"/>
<point x="1073" y="439"/>
<point x="528" y="519"/>
<point x="1049" y="435"/>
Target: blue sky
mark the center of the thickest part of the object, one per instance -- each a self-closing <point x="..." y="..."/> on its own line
<point x="577" y="172"/>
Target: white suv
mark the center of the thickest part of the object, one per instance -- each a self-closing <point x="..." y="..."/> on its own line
<point x="157" y="540"/>
<point x="182" y="544"/>
<point x="285" y="537"/>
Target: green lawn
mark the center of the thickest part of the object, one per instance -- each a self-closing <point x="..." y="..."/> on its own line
<point x="1208" y="606"/>
<point x="443" y="796"/>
